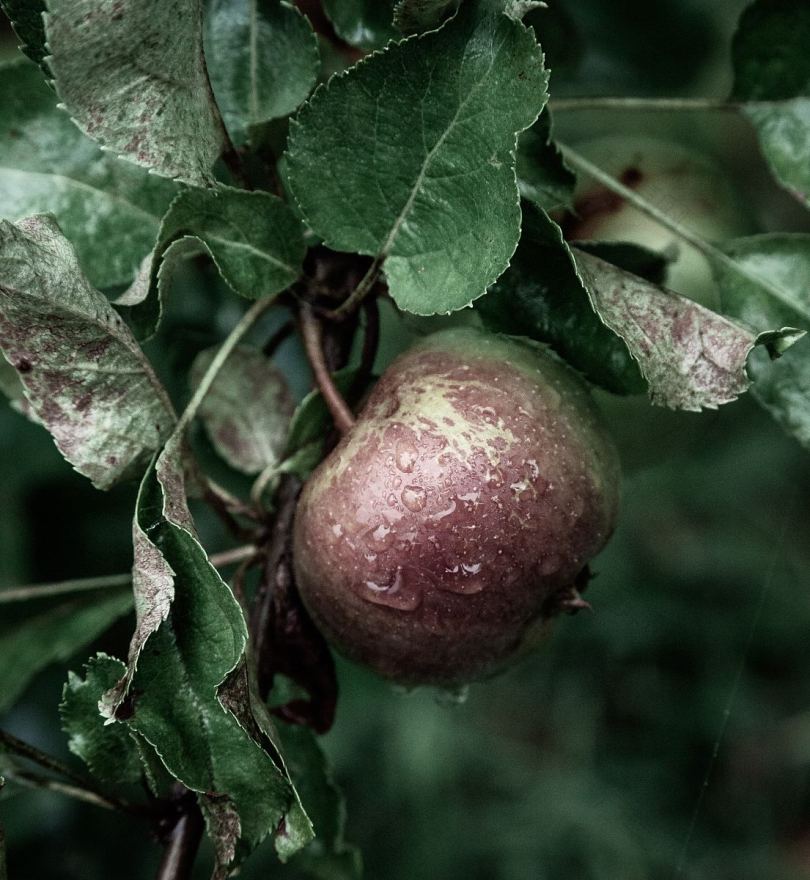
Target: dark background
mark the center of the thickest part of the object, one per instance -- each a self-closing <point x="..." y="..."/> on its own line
<point x="666" y="735"/>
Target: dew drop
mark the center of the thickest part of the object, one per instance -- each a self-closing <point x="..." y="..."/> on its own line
<point x="406" y="455"/>
<point x="450" y="697"/>
<point x="441" y="514"/>
<point x="414" y="498"/>
<point x="400" y="591"/>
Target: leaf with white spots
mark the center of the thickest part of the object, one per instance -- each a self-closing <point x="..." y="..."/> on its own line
<point x="132" y="74"/>
<point x="84" y="375"/>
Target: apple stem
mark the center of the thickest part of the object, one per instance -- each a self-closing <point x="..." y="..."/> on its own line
<point x="311" y="335"/>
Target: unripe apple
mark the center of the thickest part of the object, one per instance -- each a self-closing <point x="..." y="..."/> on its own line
<point x="686" y="185"/>
<point x="458" y="513"/>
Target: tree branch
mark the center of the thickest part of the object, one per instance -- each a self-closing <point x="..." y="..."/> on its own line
<point x="181" y="849"/>
<point x="360" y="292"/>
<point x="311" y="335"/>
<point x="651" y="104"/>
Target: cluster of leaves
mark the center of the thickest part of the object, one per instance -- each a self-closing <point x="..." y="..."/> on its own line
<point x="141" y="134"/>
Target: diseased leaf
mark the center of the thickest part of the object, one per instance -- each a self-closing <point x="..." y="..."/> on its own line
<point x="691" y="357"/>
<point x="364" y="23"/>
<point x="541" y="296"/>
<point x="772" y="73"/>
<point x="110" y="751"/>
<point x="26" y="19"/>
<point x="84" y="375"/>
<point x="108" y="209"/>
<point x="543" y="177"/>
<point x="783" y="387"/>
<point x="410" y="156"/>
<point x="254" y="239"/>
<point x="247" y="410"/>
<point x="415" y="16"/>
<point x="179" y="691"/>
<point x="263" y="61"/>
<point x="132" y="74"/>
<point x="52" y="635"/>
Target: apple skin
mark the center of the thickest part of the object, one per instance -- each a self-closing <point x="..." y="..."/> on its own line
<point x="452" y="521"/>
<point x="687" y="185"/>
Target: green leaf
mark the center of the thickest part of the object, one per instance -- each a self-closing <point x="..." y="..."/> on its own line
<point x="543" y="177"/>
<point x="541" y="296"/>
<point x="254" y="239"/>
<point x="364" y="23"/>
<point x="311" y="420"/>
<point x="410" y="156"/>
<point x="132" y="74"/>
<point x="416" y="16"/>
<point x="182" y="691"/>
<point x="263" y="61"/>
<point x="109" y="750"/>
<point x="29" y="645"/>
<point x="26" y="19"/>
<point x="782" y="387"/>
<point x="247" y="410"/>
<point x="691" y="357"/>
<point x="109" y="209"/>
<point x="84" y="375"/>
<point x="772" y="71"/>
<point x="328" y="856"/>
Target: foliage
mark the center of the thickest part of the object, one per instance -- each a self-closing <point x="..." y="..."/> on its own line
<point x="190" y="223"/>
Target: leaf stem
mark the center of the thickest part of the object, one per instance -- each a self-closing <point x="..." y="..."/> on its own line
<point x="364" y="287"/>
<point x="711" y="252"/>
<point x="34" y="780"/>
<point x="645" y="104"/>
<point x="311" y="335"/>
<point x="225" y="350"/>
<point x="112" y="581"/>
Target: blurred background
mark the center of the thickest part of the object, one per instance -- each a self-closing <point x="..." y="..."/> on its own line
<point x="666" y="735"/>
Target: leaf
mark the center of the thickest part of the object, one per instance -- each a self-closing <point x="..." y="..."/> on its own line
<point x="55" y="634"/>
<point x="364" y="23"/>
<point x="263" y="61"/>
<point x="108" y="750"/>
<point x="782" y="387"/>
<point x="328" y="855"/>
<point x="108" y="209"/>
<point x="247" y="410"/>
<point x="415" y="16"/>
<point x="418" y="169"/>
<point x="543" y="177"/>
<point x="691" y="357"/>
<point x="650" y="265"/>
<point x="26" y="19"/>
<point x="178" y="691"/>
<point x="254" y="239"/>
<point x="311" y="421"/>
<point x="541" y="296"/>
<point x="84" y="375"/>
<point x="132" y="75"/>
<point x="772" y="72"/>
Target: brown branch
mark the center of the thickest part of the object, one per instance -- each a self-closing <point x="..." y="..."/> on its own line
<point x="181" y="848"/>
<point x="311" y="335"/>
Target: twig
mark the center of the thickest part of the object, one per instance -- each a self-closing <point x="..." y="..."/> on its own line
<point x="81" y="787"/>
<point x="653" y="104"/>
<point x="371" y="339"/>
<point x="226" y="507"/>
<point x="181" y="850"/>
<point x="311" y="335"/>
<point x="360" y="292"/>
<point x="41" y="591"/>
<point x="276" y="551"/>
<point x="714" y="254"/>
<point x="34" y="780"/>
